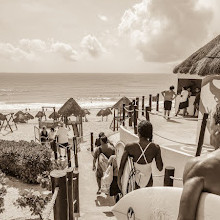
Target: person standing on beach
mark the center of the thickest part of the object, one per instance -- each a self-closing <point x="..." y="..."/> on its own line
<point x="196" y="102"/>
<point x="184" y="102"/>
<point x="169" y="96"/>
<point x="101" y="155"/>
<point x="143" y="154"/>
<point x="44" y="135"/>
<point x="62" y="139"/>
<point x="52" y="140"/>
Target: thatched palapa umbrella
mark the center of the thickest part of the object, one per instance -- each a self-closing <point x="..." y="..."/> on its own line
<point x="100" y="113"/>
<point x="107" y="112"/>
<point x="71" y="107"/>
<point x="120" y="102"/>
<point x="2" y="117"/>
<point x="18" y="113"/>
<point x="20" y="118"/>
<point x="86" y="111"/>
<point x="54" y="115"/>
<point x="205" y="61"/>
<point x="40" y="114"/>
<point x="28" y="116"/>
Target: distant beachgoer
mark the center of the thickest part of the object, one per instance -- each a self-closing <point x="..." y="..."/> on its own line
<point x="196" y="102"/>
<point x="114" y="189"/>
<point x="44" y="135"/>
<point x="101" y="155"/>
<point x="52" y="140"/>
<point x="168" y="95"/>
<point x="62" y="136"/>
<point x="143" y="154"/>
<point x="184" y="102"/>
<point x="200" y="175"/>
<point x="98" y="140"/>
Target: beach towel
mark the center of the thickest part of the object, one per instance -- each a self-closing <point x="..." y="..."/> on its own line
<point x="107" y="180"/>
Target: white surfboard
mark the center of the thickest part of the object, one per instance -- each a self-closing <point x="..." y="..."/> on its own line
<point x="127" y="183"/>
<point x="162" y="203"/>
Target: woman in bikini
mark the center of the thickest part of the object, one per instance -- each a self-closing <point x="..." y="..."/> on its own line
<point x="143" y="154"/>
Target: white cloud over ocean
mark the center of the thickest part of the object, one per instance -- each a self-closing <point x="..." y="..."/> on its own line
<point x="162" y="29"/>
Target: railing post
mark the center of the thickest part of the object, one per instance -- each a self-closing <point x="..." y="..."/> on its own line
<point x="169" y="171"/>
<point x="135" y="119"/>
<point x="142" y="105"/>
<point x="158" y="99"/>
<point x="117" y="120"/>
<point x="68" y="157"/>
<point x="130" y="114"/>
<point x="123" y="118"/>
<point x="75" y="152"/>
<point x="147" y="114"/>
<point x="114" y="121"/>
<point x="76" y="193"/>
<point x="150" y="101"/>
<point x="137" y="103"/>
<point x="91" y="141"/>
<point x="70" y="191"/>
<point x="60" y="209"/>
<point x="201" y="135"/>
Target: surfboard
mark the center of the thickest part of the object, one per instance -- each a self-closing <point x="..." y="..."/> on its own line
<point x="126" y="180"/>
<point x="162" y="203"/>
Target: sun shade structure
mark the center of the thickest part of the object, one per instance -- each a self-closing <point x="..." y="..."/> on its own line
<point x="205" y="61"/>
<point x="86" y="111"/>
<point x="28" y="116"/>
<point x="107" y="112"/>
<point x="119" y="104"/>
<point x="71" y="107"/>
<point x="2" y="117"/>
<point x="100" y="113"/>
<point x="18" y="113"/>
<point x="54" y="115"/>
<point x="40" y="114"/>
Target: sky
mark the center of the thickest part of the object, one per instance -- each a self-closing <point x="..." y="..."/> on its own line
<point x="103" y="36"/>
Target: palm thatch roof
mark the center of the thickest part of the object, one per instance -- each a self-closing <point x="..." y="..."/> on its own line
<point x="100" y="113"/>
<point x="107" y="112"/>
<point x="18" y="113"/>
<point x="86" y="111"/>
<point x="28" y="116"/>
<point x="54" y="115"/>
<point x="119" y="103"/>
<point x="40" y="114"/>
<point x="2" y="117"/>
<point x="71" y="107"/>
<point x="205" y="61"/>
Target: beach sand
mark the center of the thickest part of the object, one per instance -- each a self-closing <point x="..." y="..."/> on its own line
<point x="91" y="205"/>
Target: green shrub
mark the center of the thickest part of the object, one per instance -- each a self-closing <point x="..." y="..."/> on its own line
<point x="24" y="160"/>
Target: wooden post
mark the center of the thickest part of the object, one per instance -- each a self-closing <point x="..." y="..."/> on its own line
<point x="142" y="105"/>
<point x="91" y="141"/>
<point x="114" y="121"/>
<point x="81" y="134"/>
<point x="150" y="101"/>
<point x="60" y="209"/>
<point x="135" y="119"/>
<point x="75" y="152"/>
<point x="123" y="122"/>
<point x="76" y="193"/>
<point x="70" y="191"/>
<point x="130" y="114"/>
<point x="169" y="171"/>
<point x="137" y="103"/>
<point x="68" y="157"/>
<point x="147" y="114"/>
<point x="158" y="98"/>
<point x="117" y="120"/>
<point x="201" y="135"/>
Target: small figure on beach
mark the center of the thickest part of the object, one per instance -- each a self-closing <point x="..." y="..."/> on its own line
<point x="143" y="154"/>
<point x="184" y="101"/>
<point x="62" y="139"/>
<point x="200" y="175"/>
<point x="169" y="96"/>
<point x="52" y="140"/>
<point x="196" y="102"/>
<point x="100" y="161"/>
<point x="44" y="135"/>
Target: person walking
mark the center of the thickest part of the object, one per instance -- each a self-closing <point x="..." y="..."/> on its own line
<point x="196" y="102"/>
<point x="143" y="152"/>
<point x="44" y="135"/>
<point x="169" y="96"/>
<point x="52" y="140"/>
<point x="184" y="102"/>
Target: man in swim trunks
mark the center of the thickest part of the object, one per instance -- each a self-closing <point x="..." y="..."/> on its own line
<point x="200" y="175"/>
<point x="169" y="96"/>
<point x="143" y="154"/>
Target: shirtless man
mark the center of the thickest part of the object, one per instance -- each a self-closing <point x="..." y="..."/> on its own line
<point x="143" y="154"/>
<point x="200" y="175"/>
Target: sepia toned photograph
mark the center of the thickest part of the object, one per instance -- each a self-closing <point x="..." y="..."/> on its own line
<point x="109" y="110"/>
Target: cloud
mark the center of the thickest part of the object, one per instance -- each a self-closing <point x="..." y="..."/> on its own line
<point x="92" y="46"/>
<point x="103" y="17"/>
<point x="166" y="30"/>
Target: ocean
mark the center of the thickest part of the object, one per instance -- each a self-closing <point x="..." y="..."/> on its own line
<point x="91" y="90"/>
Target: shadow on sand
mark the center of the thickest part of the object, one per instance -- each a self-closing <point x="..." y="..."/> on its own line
<point x="173" y="121"/>
<point x="104" y="201"/>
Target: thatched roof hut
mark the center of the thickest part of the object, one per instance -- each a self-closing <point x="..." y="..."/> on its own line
<point x="40" y="114"/>
<point x="100" y="113"/>
<point x="18" y="113"/>
<point x="119" y="103"/>
<point x="54" y="115"/>
<point x="107" y="112"/>
<point x="205" y="61"/>
<point x="2" y="117"/>
<point x="71" y="107"/>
